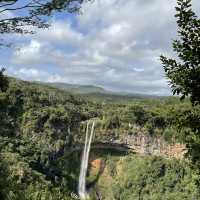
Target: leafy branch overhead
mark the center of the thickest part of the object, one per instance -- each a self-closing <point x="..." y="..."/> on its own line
<point x="184" y="72"/>
<point x="17" y="16"/>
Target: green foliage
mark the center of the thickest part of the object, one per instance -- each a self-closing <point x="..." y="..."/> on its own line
<point x="41" y="125"/>
<point x="32" y="13"/>
<point x="188" y="123"/>
<point x="141" y="116"/>
<point x="18" y="181"/>
<point x="184" y="73"/>
<point x="151" y="178"/>
<point x="156" y="118"/>
<point x="112" y="122"/>
<point x="3" y="81"/>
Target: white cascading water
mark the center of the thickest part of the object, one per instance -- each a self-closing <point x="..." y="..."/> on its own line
<point x="84" y="163"/>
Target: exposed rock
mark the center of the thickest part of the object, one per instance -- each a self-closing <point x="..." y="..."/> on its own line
<point x="97" y="163"/>
<point x="145" y="144"/>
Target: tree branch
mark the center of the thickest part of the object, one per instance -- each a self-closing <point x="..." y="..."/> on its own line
<point x="8" y="4"/>
<point x="29" y="5"/>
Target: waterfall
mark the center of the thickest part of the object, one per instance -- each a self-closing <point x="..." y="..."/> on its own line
<point x="84" y="163"/>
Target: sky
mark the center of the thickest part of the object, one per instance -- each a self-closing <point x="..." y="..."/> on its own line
<point x="115" y="44"/>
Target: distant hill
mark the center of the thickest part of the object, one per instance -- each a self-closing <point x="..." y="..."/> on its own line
<point x="77" y="89"/>
<point x="98" y="93"/>
<point x="87" y="92"/>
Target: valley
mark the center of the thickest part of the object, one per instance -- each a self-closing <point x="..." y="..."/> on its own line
<point x="137" y="149"/>
<point x="99" y="100"/>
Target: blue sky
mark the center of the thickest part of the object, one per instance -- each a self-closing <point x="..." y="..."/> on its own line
<point x="113" y="43"/>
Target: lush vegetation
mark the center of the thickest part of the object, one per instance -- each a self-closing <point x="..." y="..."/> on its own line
<point x="41" y="125"/>
<point x="147" y="178"/>
<point x="184" y="74"/>
<point x="37" y="125"/>
<point x="31" y="13"/>
<point x="155" y="117"/>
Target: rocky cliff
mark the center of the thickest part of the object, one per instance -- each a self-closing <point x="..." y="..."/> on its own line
<point x="145" y="144"/>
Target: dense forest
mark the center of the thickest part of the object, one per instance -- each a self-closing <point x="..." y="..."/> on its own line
<point x="40" y="125"/>
<point x="43" y="126"/>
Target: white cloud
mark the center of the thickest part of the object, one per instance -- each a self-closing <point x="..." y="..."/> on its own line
<point x="28" y="54"/>
<point x="61" y="32"/>
<point x="114" y="43"/>
<point x="28" y="73"/>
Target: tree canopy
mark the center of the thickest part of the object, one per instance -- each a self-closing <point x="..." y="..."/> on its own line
<point x="18" y="16"/>
<point x="184" y="72"/>
<point x="3" y="81"/>
<point x="184" y="75"/>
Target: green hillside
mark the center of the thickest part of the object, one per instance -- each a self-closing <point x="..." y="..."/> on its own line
<point x="99" y="94"/>
<point x="41" y="125"/>
<point x="75" y="88"/>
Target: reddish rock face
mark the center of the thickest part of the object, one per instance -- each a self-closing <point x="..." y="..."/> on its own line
<point x="96" y="163"/>
<point x="145" y="144"/>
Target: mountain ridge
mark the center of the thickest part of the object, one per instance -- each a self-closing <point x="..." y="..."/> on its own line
<point x="94" y="90"/>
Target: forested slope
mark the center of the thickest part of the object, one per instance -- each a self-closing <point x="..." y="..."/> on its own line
<point x="37" y="122"/>
<point x="40" y="125"/>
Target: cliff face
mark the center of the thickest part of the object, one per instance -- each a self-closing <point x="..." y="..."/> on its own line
<point x="144" y="144"/>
